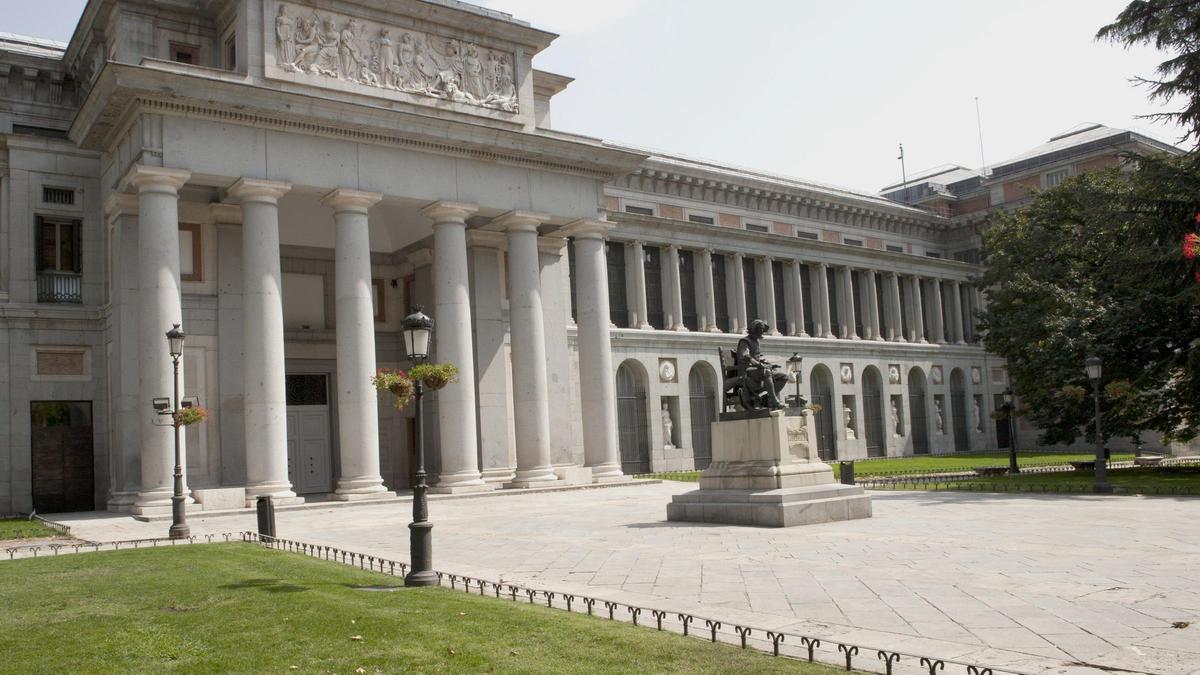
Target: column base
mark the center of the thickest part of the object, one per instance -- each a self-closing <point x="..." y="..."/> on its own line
<point x="571" y="474"/>
<point x="462" y="489"/>
<point x="608" y="473"/>
<point x="542" y="476"/>
<point x="156" y="502"/>
<point x="120" y="502"/>
<point x="498" y="475"/>
<point x="280" y="493"/>
<point x="355" y="489"/>
<point x="361" y="496"/>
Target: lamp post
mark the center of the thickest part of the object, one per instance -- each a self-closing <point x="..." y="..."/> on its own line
<point x="418" y="329"/>
<point x="793" y="369"/>
<point x="1093" y="372"/>
<point x="1012" y="431"/>
<point x="179" y="527"/>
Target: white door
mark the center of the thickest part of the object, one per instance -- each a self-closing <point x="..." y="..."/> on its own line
<point x="310" y="451"/>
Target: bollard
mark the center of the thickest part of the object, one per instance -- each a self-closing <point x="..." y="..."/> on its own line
<point x="266" y="517"/>
<point x="847" y="472"/>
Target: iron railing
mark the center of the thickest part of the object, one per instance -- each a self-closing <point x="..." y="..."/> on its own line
<point x="59" y="287"/>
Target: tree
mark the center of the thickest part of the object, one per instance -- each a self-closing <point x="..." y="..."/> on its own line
<point x="1094" y="266"/>
<point x="1172" y="26"/>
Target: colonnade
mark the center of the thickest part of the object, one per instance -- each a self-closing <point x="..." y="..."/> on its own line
<point x="264" y="378"/>
<point x="888" y="305"/>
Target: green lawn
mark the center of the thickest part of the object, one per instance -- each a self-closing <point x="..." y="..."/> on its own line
<point x="933" y="463"/>
<point x="23" y="528"/>
<point x="1180" y="480"/>
<point x="240" y="608"/>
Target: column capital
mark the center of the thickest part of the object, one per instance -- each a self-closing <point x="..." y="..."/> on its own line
<point x="120" y="204"/>
<point x="224" y="214"/>
<point x="258" y="190"/>
<point x="343" y="200"/>
<point x="154" y="179"/>
<point x="449" y="212"/>
<point x="520" y="221"/>
<point x="587" y="229"/>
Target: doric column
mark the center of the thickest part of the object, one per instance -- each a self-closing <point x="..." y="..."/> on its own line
<point x="159" y="297"/>
<point x="767" y="284"/>
<point x="790" y="298"/>
<point x="638" y="288"/>
<point x="918" y="313"/>
<point x="956" y="298"/>
<point x="531" y="401"/>
<point x="357" y="402"/>
<point x="127" y="407"/>
<point x="674" y="291"/>
<point x="263" y="379"/>
<point x="824" y="320"/>
<point x="797" y="299"/>
<point x="454" y="343"/>
<point x="741" y="313"/>
<point x="939" y="321"/>
<point x="598" y="393"/>
<point x="846" y="304"/>
<point x="873" y="327"/>
<point x="896" y="322"/>
<point x="708" y="294"/>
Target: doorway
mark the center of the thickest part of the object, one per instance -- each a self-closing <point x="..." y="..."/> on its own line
<point x="63" y="472"/>
<point x="873" y="411"/>
<point x="633" y="431"/>
<point x="822" y="396"/>
<point x="702" y="397"/>
<point x="310" y="447"/>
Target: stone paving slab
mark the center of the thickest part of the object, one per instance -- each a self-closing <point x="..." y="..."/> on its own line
<point x="1038" y="583"/>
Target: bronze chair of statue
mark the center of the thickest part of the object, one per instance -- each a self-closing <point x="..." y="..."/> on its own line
<point x="734" y="393"/>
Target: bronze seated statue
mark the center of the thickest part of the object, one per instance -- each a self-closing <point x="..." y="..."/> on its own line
<point x="750" y="382"/>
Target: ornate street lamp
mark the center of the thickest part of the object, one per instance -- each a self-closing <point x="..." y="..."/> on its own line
<point x="418" y="331"/>
<point x="1092" y="366"/>
<point x="1012" y="431"/>
<point x="793" y="369"/>
<point x="179" y="527"/>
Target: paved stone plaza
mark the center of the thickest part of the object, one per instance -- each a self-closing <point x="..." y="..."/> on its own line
<point x="1035" y="583"/>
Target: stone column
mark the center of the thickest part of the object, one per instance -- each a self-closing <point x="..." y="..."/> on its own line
<point x="846" y="305"/>
<point x="263" y="379"/>
<point x="159" y="297"/>
<point x="939" y="320"/>
<point x="918" y="313"/>
<point x="357" y="401"/>
<point x="741" y="313"/>
<point x="638" y="288"/>
<point x="708" y="293"/>
<point x="674" y="291"/>
<point x="453" y="342"/>
<point x="956" y="313"/>
<point x="531" y="404"/>
<point x="126" y="403"/>
<point x="790" y="298"/>
<point x="766" y="282"/>
<point x="598" y="390"/>
<point x="824" y="322"/>
<point x="896" y="327"/>
<point x="874" y="331"/>
<point x="797" y="300"/>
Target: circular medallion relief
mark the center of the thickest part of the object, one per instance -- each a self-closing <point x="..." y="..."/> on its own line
<point x="666" y="371"/>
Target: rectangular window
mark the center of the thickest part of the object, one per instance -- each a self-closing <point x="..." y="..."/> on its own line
<point x="803" y="234"/>
<point x="687" y="290"/>
<point x="970" y="255"/>
<point x="904" y="321"/>
<point x="780" y="299"/>
<point x="654" y="286"/>
<point x="852" y="242"/>
<point x="58" y="245"/>
<point x="1053" y="178"/>
<point x="58" y="196"/>
<point x="750" y="280"/>
<point x="932" y="254"/>
<point x="618" y="309"/>
<point x="879" y="305"/>
<point x="190" y="253"/>
<point x="185" y="53"/>
<point x="231" y="53"/>
<point x="571" y="275"/>
<point x="639" y="210"/>
<point x="703" y="220"/>
<point x="757" y="228"/>
<point x="858" y="301"/>
<point x="378" y="300"/>
<point x="720" y="297"/>
<point x="835" y="324"/>
<point x="806" y="294"/>
<point x="41" y="132"/>
<point x="895" y="249"/>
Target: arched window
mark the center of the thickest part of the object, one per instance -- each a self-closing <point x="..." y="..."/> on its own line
<point x="918" y="416"/>
<point x="873" y="412"/>
<point x="633" y="433"/>
<point x="702" y="401"/>
<point x="822" y="395"/>
<point x="958" y="410"/>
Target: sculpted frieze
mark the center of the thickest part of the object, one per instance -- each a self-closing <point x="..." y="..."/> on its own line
<point x="323" y="47"/>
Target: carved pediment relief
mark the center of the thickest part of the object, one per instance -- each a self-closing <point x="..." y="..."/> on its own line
<point x="334" y="50"/>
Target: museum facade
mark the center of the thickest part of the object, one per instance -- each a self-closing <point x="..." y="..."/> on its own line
<point x="285" y="180"/>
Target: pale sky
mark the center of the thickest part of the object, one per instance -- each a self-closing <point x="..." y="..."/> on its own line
<point x="821" y="91"/>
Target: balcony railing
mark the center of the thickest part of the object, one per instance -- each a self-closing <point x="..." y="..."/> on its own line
<point x="59" y="287"/>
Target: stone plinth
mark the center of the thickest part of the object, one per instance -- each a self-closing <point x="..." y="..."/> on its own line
<point x="766" y="473"/>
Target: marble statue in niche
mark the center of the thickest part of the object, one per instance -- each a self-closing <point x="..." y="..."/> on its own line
<point x="895" y="420"/>
<point x="667" y="426"/>
<point x="848" y="414"/>
<point x="938" y="422"/>
<point x="352" y="50"/>
<point x="975" y="414"/>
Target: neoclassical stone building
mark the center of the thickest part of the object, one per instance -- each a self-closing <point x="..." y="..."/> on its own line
<point x="286" y="179"/>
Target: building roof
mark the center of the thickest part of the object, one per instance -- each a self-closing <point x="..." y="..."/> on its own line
<point x="32" y="46"/>
<point x="946" y="174"/>
<point x="1078" y="140"/>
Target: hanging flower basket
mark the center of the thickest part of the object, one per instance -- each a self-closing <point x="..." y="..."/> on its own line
<point x="189" y="416"/>
<point x="435" y="375"/>
<point x="396" y="381"/>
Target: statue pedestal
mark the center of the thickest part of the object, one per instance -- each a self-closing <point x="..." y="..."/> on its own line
<point x="766" y="473"/>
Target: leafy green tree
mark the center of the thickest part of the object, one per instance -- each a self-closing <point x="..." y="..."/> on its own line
<point x="1094" y="266"/>
<point x="1172" y="26"/>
